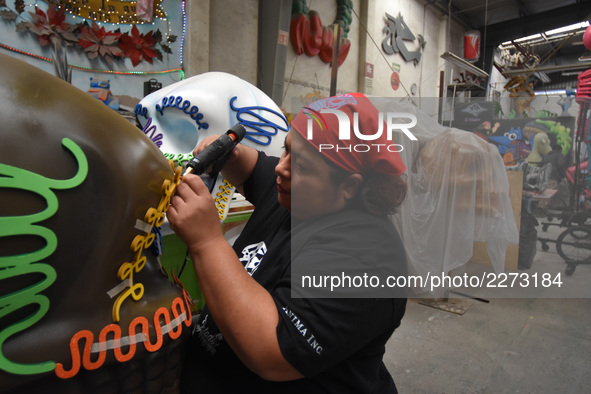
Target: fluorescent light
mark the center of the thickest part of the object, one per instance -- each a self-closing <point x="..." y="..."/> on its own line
<point x="549" y="33"/>
<point x="542" y="76"/>
<point x="576" y="26"/>
<point x="528" y="38"/>
<point x="556" y="92"/>
<point x="458" y="61"/>
<point x="563" y="67"/>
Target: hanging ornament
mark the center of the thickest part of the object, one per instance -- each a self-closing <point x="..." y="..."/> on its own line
<point x="587" y="38"/>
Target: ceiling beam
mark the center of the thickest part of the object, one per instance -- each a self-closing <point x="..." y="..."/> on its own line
<point x="457" y="15"/>
<point x="562" y="67"/>
<point x="523" y="11"/>
<point x="537" y="23"/>
<point x="498" y="33"/>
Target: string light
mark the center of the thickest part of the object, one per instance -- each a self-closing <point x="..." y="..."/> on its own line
<point x="83" y="68"/>
<point x="117" y="14"/>
<point x="182" y="43"/>
<point x="126" y="72"/>
<point x="26" y="53"/>
<point x="160" y="16"/>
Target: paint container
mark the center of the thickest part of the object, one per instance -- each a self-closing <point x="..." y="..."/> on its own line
<point x="472" y="45"/>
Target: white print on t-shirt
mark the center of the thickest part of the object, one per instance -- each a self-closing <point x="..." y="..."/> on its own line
<point x="297" y="323"/>
<point x="252" y="255"/>
<point x="209" y="341"/>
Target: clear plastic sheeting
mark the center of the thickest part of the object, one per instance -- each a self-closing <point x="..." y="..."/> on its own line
<point x="458" y="193"/>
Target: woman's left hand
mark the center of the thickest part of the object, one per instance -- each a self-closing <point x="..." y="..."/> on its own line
<point x="193" y="215"/>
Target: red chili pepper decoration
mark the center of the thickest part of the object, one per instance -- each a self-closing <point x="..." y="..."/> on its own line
<point x="327" y="49"/>
<point x="296" y="29"/>
<point x="308" y="34"/>
<point x="313" y="34"/>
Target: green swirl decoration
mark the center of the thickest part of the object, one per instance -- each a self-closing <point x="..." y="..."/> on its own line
<point x="13" y="266"/>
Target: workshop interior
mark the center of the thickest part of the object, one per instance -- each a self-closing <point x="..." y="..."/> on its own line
<point x="488" y="104"/>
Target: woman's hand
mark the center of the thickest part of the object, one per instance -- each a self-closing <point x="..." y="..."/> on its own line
<point x="238" y="166"/>
<point x="208" y="141"/>
<point x="193" y="215"/>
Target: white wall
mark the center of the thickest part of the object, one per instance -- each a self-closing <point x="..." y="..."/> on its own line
<point x="234" y="38"/>
<point x="196" y="48"/>
<point x="306" y="75"/>
<point x="309" y="76"/>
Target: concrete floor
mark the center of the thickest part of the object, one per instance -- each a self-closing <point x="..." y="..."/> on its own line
<point x="505" y="345"/>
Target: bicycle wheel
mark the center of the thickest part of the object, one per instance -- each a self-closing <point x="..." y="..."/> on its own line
<point x="574" y="244"/>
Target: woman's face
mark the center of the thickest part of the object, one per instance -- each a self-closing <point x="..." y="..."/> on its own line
<point x="303" y="181"/>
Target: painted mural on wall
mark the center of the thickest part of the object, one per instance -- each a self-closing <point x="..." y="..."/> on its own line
<point x="80" y="40"/>
<point x="515" y="138"/>
<point x="96" y="42"/>
<point x="309" y="36"/>
<point x="398" y="36"/>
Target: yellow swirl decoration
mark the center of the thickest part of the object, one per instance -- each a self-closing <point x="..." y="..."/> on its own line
<point x="154" y="217"/>
<point x="223" y="197"/>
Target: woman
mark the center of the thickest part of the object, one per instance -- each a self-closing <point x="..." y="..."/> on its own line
<point x="252" y="336"/>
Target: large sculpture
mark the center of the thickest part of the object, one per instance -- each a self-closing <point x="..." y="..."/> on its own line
<point x="84" y="305"/>
<point x="179" y="116"/>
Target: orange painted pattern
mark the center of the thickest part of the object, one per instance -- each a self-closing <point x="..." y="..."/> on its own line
<point x="180" y="310"/>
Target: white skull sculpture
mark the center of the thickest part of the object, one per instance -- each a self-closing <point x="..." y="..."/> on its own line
<point x="179" y="116"/>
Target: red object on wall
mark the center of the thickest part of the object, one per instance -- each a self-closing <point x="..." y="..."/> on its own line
<point x="395" y="80"/>
<point x="472" y="45"/>
<point x="296" y="32"/>
<point x="308" y="35"/>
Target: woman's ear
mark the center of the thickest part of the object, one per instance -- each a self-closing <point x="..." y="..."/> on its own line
<point x="352" y="185"/>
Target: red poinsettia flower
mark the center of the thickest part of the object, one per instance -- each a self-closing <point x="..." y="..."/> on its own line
<point x="138" y="46"/>
<point x="51" y="25"/>
<point x="99" y="42"/>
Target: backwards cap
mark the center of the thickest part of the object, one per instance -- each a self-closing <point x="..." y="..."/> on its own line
<point x="325" y="130"/>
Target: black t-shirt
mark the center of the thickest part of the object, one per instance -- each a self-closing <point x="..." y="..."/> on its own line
<point x="337" y="344"/>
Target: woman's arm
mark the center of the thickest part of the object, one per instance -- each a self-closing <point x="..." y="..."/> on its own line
<point x="243" y="310"/>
